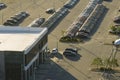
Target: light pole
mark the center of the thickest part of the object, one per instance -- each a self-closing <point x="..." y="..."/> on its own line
<point x="1" y="17"/>
<point x="54" y="5"/>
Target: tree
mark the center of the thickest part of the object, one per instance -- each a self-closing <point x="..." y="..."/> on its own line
<point x="63" y="32"/>
<point x="113" y="28"/>
<point x="97" y="62"/>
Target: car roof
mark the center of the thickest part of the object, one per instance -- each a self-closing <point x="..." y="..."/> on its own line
<point x="54" y="49"/>
<point x="71" y="48"/>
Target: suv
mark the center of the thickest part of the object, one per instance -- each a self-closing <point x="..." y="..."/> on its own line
<point x="70" y="52"/>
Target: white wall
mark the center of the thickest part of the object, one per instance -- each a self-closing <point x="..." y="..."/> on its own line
<point x="2" y="66"/>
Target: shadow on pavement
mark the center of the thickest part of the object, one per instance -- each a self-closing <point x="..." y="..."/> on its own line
<point x="58" y="73"/>
<point x="108" y="0"/>
<point x="52" y="71"/>
<point x="81" y="47"/>
<point x="57" y="55"/>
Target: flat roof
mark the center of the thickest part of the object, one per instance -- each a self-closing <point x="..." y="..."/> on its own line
<point x="19" y="38"/>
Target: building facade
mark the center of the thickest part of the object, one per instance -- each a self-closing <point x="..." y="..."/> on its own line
<point x="22" y="50"/>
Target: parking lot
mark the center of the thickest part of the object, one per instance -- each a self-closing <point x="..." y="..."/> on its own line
<point x="78" y="67"/>
<point x="94" y="47"/>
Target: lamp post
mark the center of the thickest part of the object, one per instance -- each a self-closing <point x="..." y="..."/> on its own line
<point x="1" y="17"/>
<point x="54" y="5"/>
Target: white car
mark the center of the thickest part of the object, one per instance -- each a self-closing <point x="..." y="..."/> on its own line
<point x="54" y="50"/>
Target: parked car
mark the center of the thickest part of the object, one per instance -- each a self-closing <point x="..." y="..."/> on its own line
<point x="2" y="5"/>
<point x="50" y="10"/>
<point x="25" y="14"/>
<point x="54" y="50"/>
<point x="70" y="52"/>
<point x="117" y="19"/>
<point x="8" y="24"/>
<point x="37" y="22"/>
<point x="20" y="16"/>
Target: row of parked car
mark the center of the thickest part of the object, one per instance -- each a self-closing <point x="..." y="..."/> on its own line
<point x="55" y="17"/>
<point x="91" y="22"/>
<point x="70" y="3"/>
<point x="2" y="5"/>
<point x="16" y="19"/>
<point x="76" y="25"/>
<point x="61" y="12"/>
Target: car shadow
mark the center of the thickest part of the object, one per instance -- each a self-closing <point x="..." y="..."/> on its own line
<point x="54" y="72"/>
<point x="57" y="55"/>
<point x="108" y="0"/>
<point x="74" y="58"/>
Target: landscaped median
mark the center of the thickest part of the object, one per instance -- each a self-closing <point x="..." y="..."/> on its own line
<point x="68" y="39"/>
<point x="115" y="29"/>
<point x="108" y="64"/>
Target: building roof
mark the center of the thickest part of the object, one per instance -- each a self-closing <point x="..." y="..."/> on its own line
<point x="19" y="38"/>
